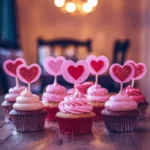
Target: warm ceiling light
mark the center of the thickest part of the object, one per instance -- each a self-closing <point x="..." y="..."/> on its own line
<point x="77" y="7"/>
<point x="70" y="7"/>
<point x="87" y="8"/>
<point x="59" y="3"/>
<point x="93" y="3"/>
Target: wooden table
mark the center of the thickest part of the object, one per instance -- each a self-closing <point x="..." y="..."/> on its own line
<point x="52" y="139"/>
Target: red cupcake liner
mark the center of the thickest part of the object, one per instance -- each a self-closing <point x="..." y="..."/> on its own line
<point x="51" y="115"/>
<point x="28" y="121"/>
<point x="7" y="107"/>
<point x="75" y="125"/>
<point x="98" y="115"/>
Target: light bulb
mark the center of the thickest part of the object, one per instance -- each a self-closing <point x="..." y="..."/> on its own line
<point x="87" y="7"/>
<point x="70" y="7"/>
<point x="59" y="3"/>
<point x="93" y="3"/>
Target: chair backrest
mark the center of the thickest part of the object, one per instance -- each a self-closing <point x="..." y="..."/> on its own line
<point x="69" y="48"/>
<point x="120" y="51"/>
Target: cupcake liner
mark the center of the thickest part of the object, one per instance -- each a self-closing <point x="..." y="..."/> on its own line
<point x="28" y="121"/>
<point x="97" y="111"/>
<point x="51" y="113"/>
<point x="142" y="107"/>
<point x="75" y="125"/>
<point x="7" y="107"/>
<point x="120" y="123"/>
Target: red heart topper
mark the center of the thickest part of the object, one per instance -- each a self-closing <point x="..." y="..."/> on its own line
<point x="140" y="69"/>
<point x="121" y="74"/>
<point x="75" y="72"/>
<point x="53" y="65"/>
<point x="97" y="65"/>
<point x="10" y="66"/>
<point x="29" y="74"/>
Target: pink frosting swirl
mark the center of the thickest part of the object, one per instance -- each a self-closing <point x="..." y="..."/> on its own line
<point x="14" y="93"/>
<point x="97" y="94"/>
<point x="54" y="93"/>
<point x="135" y="94"/>
<point x="84" y="87"/>
<point x="75" y="104"/>
<point x="120" y="102"/>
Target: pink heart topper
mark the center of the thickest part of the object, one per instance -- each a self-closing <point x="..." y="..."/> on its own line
<point x="140" y="69"/>
<point x="28" y="74"/>
<point x="121" y="74"/>
<point x="10" y="66"/>
<point x="75" y="72"/>
<point x="97" y="65"/>
<point x="53" y="65"/>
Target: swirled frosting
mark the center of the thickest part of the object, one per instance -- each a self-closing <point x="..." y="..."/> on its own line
<point x="71" y="91"/>
<point x="14" y="93"/>
<point x="28" y="102"/>
<point x="75" y="104"/>
<point x="84" y="87"/>
<point x="120" y="102"/>
<point x="135" y="94"/>
<point x="97" y="94"/>
<point x="54" y="93"/>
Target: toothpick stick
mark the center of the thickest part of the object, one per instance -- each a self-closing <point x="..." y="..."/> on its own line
<point x="96" y="79"/>
<point x="132" y="84"/>
<point x="29" y="86"/>
<point x="55" y="80"/>
<point x="75" y="88"/>
<point x="17" y="83"/>
<point x="121" y="87"/>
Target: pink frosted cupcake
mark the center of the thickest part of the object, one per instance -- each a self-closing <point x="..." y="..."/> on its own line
<point x="28" y="113"/>
<point x="97" y="96"/>
<point x="120" y="114"/>
<point x="81" y="87"/>
<point x="75" y="115"/>
<point x="10" y="99"/>
<point x="136" y="95"/>
<point x="51" y="98"/>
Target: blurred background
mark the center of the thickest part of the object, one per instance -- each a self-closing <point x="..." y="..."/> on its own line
<point x="34" y="29"/>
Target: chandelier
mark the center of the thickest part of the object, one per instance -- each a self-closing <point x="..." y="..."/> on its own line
<point x="76" y="7"/>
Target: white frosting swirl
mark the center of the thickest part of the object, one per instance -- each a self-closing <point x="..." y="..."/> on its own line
<point x="28" y="102"/>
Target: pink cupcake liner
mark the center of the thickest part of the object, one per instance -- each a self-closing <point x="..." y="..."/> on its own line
<point x="75" y="125"/>
<point x="7" y="107"/>
<point x="98" y="115"/>
<point x="51" y="113"/>
<point x="28" y="121"/>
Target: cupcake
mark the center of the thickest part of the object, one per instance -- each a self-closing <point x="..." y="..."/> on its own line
<point x="97" y="96"/>
<point x="81" y="87"/>
<point x="54" y="94"/>
<point x="28" y="113"/>
<point x="136" y="95"/>
<point x="10" y="99"/>
<point x="75" y="115"/>
<point x="120" y="114"/>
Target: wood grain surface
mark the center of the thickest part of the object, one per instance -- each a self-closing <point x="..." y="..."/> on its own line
<point x="51" y="138"/>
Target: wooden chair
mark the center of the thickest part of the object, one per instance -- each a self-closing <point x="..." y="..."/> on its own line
<point x="120" y="51"/>
<point x="50" y="48"/>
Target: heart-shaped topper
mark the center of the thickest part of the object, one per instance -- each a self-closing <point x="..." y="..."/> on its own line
<point x="53" y="65"/>
<point x="97" y="65"/>
<point x="140" y="69"/>
<point x="11" y="66"/>
<point x="28" y="74"/>
<point x="75" y="72"/>
<point x="121" y="74"/>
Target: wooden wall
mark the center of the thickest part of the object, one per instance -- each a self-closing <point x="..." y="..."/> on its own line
<point x="111" y="20"/>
